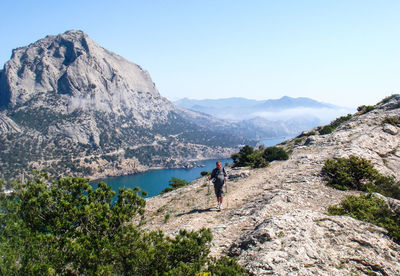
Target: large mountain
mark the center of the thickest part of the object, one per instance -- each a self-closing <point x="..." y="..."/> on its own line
<point x="70" y="106"/>
<point x="260" y="119"/>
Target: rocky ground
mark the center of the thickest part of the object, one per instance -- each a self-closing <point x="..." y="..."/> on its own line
<point x="274" y="220"/>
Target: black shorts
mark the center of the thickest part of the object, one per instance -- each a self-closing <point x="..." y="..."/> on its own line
<point x="218" y="190"/>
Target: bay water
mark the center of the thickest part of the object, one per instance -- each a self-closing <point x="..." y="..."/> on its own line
<point x="154" y="181"/>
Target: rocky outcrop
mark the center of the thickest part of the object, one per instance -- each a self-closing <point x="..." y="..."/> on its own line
<point x="274" y="221"/>
<point x="7" y="125"/>
<point x="69" y="106"/>
<point x="310" y="243"/>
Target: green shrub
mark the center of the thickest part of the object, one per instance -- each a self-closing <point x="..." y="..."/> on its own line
<point x="244" y="157"/>
<point x="226" y="266"/>
<point x="371" y="209"/>
<point x="204" y="173"/>
<point x="258" y="160"/>
<point x="275" y="153"/>
<point x="326" y="130"/>
<point x="349" y="173"/>
<point x="166" y="217"/>
<point x="248" y="156"/>
<point x="175" y="183"/>
<point x="68" y="228"/>
<point x="387" y="99"/>
<point x="387" y="186"/>
<point x="305" y="134"/>
<point x="359" y="174"/>
<point x="391" y="120"/>
<point x="298" y="141"/>
<point x="365" y="108"/>
<point x="334" y="124"/>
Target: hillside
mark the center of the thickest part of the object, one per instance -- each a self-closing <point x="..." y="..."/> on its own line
<point x="71" y="107"/>
<point x="275" y="220"/>
<point x="262" y="119"/>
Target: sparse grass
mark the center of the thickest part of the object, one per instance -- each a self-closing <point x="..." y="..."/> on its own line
<point x="387" y="99"/>
<point x="382" y="155"/>
<point x="394" y="121"/>
<point x="298" y="141"/>
<point x="365" y="108"/>
<point x="166" y="217"/>
<point x="306" y="134"/>
<point x="333" y="125"/>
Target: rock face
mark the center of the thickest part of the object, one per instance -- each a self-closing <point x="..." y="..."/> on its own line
<point x="84" y="76"/>
<point x="70" y="106"/>
<point x="274" y="220"/>
<point x="310" y="243"/>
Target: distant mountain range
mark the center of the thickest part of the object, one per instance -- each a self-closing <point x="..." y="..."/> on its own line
<point x="256" y="119"/>
<point x="69" y="106"/>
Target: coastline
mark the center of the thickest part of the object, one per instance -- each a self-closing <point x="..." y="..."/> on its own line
<point x="182" y="165"/>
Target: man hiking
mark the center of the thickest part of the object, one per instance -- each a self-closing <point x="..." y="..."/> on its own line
<point x="218" y="176"/>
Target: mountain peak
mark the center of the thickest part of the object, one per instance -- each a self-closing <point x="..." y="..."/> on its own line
<point x="73" y="67"/>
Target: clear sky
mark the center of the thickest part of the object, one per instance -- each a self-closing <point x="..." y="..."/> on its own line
<point x="344" y="52"/>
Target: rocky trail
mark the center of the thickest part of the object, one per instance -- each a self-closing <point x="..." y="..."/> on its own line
<point x="274" y="219"/>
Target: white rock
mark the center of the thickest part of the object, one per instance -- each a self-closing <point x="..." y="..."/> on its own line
<point x="388" y="128"/>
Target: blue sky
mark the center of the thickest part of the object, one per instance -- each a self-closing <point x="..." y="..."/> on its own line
<point x="341" y="52"/>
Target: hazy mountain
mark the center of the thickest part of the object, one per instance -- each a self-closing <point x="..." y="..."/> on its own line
<point x="268" y="118"/>
<point x="70" y="106"/>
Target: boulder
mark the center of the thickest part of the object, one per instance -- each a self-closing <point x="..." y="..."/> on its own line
<point x="388" y="128"/>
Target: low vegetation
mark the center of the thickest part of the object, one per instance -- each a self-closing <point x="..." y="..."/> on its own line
<point x="333" y="125"/>
<point x="389" y="98"/>
<point x="174" y="184"/>
<point x="359" y="174"/>
<point x="306" y="134"/>
<point x="371" y="209"/>
<point x="68" y="228"/>
<point x="395" y="121"/>
<point x="365" y="108"/>
<point x="250" y="157"/>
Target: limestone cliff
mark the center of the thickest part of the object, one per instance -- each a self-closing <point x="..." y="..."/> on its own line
<point x="274" y="220"/>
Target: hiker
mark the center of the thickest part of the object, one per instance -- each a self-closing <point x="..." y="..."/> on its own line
<point x="218" y="176"/>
